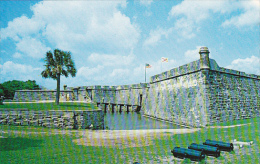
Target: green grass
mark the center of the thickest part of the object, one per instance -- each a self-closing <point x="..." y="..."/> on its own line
<point x="42" y="146"/>
<point x="50" y="106"/>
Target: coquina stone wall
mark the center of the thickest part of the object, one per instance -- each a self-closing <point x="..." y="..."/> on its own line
<point x="201" y="93"/>
<point x="70" y="119"/>
<point x="118" y="98"/>
<point x="115" y="98"/>
<point x="41" y="95"/>
<point x="231" y="94"/>
<point x="123" y="94"/>
<point x="178" y="95"/>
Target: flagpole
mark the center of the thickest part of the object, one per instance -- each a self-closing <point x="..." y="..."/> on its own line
<point x="145" y="73"/>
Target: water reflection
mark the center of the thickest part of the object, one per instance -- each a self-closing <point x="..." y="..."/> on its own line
<point x="134" y="120"/>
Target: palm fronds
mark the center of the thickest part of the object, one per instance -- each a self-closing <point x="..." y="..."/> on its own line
<point x="58" y="63"/>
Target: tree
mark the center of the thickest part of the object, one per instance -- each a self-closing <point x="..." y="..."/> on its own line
<point x="1" y="90"/>
<point x="57" y="64"/>
<point x="9" y="87"/>
<point x="1" y="95"/>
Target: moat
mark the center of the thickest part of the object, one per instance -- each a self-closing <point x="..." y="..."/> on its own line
<point x="133" y="121"/>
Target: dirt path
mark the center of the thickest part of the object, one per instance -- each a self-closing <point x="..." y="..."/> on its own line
<point x="127" y="138"/>
<point x="231" y="126"/>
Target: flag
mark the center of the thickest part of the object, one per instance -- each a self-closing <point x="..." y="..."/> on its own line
<point x="148" y="66"/>
<point x="164" y="59"/>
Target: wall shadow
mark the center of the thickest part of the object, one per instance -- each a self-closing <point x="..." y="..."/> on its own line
<point x="10" y="144"/>
<point x="75" y="106"/>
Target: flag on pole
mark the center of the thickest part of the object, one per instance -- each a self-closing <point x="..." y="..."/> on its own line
<point x="164" y="59"/>
<point x="148" y="66"/>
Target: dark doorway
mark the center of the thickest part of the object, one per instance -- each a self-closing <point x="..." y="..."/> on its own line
<point x="140" y="98"/>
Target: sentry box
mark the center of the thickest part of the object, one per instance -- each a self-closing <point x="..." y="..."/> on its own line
<point x="208" y="150"/>
<point x="188" y="153"/>
<point x="221" y="145"/>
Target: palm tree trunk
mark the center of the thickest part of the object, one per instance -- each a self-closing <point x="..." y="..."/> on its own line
<point x="58" y="90"/>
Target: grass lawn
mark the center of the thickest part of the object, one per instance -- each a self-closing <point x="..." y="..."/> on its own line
<point x="51" y="106"/>
<point x="42" y="145"/>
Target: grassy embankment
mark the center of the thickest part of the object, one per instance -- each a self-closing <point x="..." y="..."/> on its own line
<point x="42" y="145"/>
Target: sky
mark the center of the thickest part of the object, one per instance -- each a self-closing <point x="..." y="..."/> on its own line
<point x="111" y="41"/>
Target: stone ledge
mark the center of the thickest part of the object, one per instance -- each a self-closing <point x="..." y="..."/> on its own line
<point x="65" y="119"/>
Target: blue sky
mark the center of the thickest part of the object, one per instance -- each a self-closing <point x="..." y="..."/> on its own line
<point x="111" y="41"/>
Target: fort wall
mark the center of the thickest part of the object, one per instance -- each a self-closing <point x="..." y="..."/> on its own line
<point x="201" y="93"/>
<point x="231" y="94"/>
<point x="118" y="98"/>
<point x="123" y="97"/>
<point x="178" y="95"/>
<point x="196" y="94"/>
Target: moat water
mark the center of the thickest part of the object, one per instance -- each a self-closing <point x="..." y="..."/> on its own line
<point x="134" y="121"/>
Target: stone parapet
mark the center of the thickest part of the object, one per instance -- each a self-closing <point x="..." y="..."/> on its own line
<point x="215" y="67"/>
<point x="195" y="67"/>
<point x="176" y="72"/>
<point x="41" y="95"/>
<point x="122" y="94"/>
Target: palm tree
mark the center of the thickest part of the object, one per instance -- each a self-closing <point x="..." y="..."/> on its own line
<point x="57" y="64"/>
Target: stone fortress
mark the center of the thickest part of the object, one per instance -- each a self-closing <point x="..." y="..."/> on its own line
<point x="196" y="94"/>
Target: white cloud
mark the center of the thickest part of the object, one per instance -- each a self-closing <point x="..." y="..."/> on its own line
<point x="111" y="60"/>
<point x="155" y="36"/>
<point x="185" y="28"/>
<point x="248" y="65"/>
<point x="17" y="55"/>
<point x="74" y="26"/>
<point x="199" y="10"/>
<point x="32" y="47"/>
<point x="250" y="16"/>
<point x="102" y="75"/>
<point x="190" y="14"/>
<point x="117" y="29"/>
<point x="81" y="23"/>
<point x="120" y="73"/>
<point x="109" y="69"/>
<point x="146" y="2"/>
<point x="192" y="55"/>
<point x="21" y="27"/>
<point x="148" y="13"/>
<point x="10" y="71"/>
<point x="10" y="67"/>
<point x="89" y="73"/>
